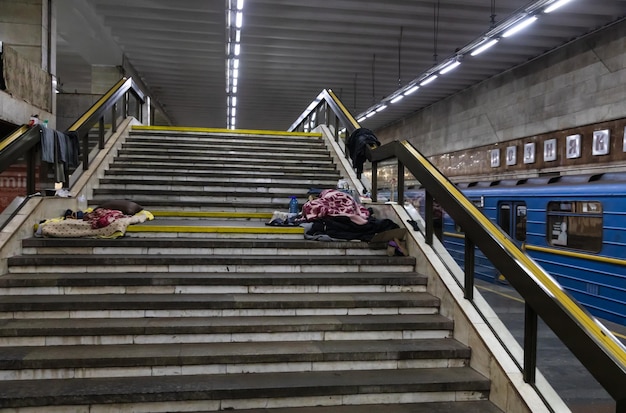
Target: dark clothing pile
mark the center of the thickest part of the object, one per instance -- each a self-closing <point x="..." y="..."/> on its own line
<point x="340" y="227"/>
<point x="357" y="143"/>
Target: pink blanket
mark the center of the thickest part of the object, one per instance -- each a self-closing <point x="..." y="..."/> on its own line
<point x="332" y="202"/>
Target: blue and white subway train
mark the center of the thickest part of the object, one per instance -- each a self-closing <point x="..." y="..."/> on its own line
<point x="573" y="226"/>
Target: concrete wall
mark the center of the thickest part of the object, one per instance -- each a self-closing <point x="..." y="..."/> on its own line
<point x="582" y="83"/>
<point x="26" y="28"/>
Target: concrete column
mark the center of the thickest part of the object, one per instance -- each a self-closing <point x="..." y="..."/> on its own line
<point x="22" y="28"/>
<point x="104" y="77"/>
<point x="28" y="27"/>
<point x="146" y="110"/>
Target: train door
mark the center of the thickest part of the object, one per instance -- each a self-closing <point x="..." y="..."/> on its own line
<point x="512" y="219"/>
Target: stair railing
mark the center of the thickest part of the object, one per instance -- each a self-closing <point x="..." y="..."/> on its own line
<point x="592" y="343"/>
<point x="327" y="110"/>
<point x="125" y="98"/>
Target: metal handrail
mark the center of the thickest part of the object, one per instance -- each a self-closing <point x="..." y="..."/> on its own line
<point x="319" y="111"/>
<point x="591" y="342"/>
<point x="25" y="141"/>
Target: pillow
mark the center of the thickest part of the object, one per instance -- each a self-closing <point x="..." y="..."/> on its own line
<point x="127" y="207"/>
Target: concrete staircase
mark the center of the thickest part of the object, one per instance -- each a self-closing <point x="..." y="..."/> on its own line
<point x="206" y="308"/>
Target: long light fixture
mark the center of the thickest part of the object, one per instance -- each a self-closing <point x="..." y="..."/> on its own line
<point x="450" y="67"/>
<point x="505" y="29"/>
<point x="555" y="5"/>
<point x="520" y="26"/>
<point x="234" y="24"/>
<point x="428" y="80"/>
<point x="484" y="46"/>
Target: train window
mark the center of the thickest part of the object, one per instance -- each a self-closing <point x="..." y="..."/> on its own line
<point x="520" y="222"/>
<point x="575" y="224"/>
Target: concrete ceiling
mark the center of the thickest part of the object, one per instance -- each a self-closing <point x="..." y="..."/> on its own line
<point x="364" y="50"/>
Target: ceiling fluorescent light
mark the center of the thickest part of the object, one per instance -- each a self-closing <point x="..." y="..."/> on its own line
<point x="361" y="119"/>
<point x="555" y="5"/>
<point x="381" y="108"/>
<point x="428" y="80"/>
<point x="411" y="90"/>
<point x="239" y="4"/>
<point x="397" y="98"/>
<point x="519" y="26"/>
<point x="234" y="101"/>
<point x="484" y="47"/>
<point x="237" y="49"/>
<point x="369" y="115"/>
<point x="239" y="20"/>
<point x="450" y="67"/>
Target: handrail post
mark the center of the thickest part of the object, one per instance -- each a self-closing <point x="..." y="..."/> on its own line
<point x="31" y="160"/>
<point x="530" y="344"/>
<point x="114" y="118"/>
<point x="125" y="104"/>
<point x="101" y="133"/>
<point x="326" y="114"/>
<point x="429" y="218"/>
<point x="400" y="180"/>
<point x="469" y="269"/>
<point x="85" y="138"/>
<point x="374" y="181"/>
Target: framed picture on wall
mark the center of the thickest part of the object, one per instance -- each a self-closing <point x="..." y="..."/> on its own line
<point x="549" y="150"/>
<point x="529" y="152"/>
<point x="572" y="146"/>
<point x="494" y="154"/>
<point x="601" y="142"/>
<point x="511" y="155"/>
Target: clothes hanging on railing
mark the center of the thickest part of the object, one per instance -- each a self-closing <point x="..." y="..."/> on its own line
<point x="65" y="146"/>
<point x="357" y="143"/>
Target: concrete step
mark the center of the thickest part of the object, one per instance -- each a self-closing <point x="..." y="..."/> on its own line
<point x="32" y="332"/>
<point x="46" y="263"/>
<point x="136" y="360"/>
<point x="146" y="170"/>
<point x="226" y="160"/>
<point x="277" y="200"/>
<point x="248" y="391"/>
<point x="221" y="180"/>
<point x="281" y="138"/>
<point x="206" y="283"/>
<point x="204" y="246"/>
<point x="299" y="189"/>
<point x="308" y="155"/>
<point x="309" y="147"/>
<point x="172" y="305"/>
<point x="222" y="168"/>
<point x="478" y="406"/>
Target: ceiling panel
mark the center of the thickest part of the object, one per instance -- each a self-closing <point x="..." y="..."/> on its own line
<point x="292" y="49"/>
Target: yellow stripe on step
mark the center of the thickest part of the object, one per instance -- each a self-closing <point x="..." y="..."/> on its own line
<point x="212" y="214"/>
<point x="209" y="230"/>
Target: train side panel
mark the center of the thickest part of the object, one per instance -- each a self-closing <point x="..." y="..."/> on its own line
<point x="592" y="267"/>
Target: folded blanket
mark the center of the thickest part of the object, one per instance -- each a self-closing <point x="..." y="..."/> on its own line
<point x="78" y="228"/>
<point x="332" y="203"/>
